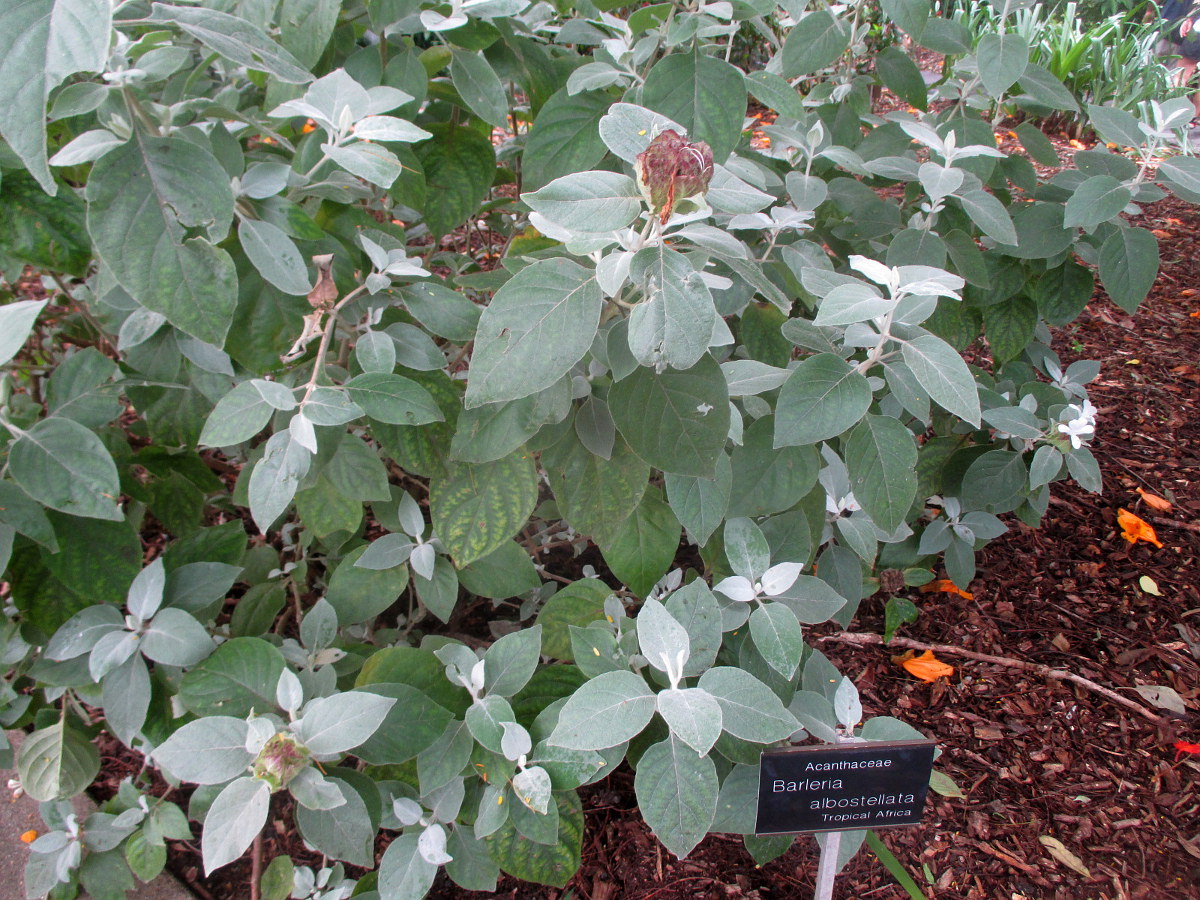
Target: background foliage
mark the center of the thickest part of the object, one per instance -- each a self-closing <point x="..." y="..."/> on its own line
<point x="259" y="513"/>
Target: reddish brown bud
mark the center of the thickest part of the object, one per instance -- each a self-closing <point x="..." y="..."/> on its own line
<point x="671" y="170"/>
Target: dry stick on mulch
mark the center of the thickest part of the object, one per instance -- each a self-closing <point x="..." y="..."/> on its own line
<point x="846" y="637"/>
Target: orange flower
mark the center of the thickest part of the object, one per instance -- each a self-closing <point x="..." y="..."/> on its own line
<point x="1134" y="529"/>
<point x="946" y="586"/>
<point x="1154" y="501"/>
<point x="1182" y="747"/>
<point x="309" y="126"/>
<point x="29" y="836"/>
<point x="927" y="667"/>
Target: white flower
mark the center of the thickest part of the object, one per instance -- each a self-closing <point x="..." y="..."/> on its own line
<point x="1083" y="425"/>
<point x="835" y="506"/>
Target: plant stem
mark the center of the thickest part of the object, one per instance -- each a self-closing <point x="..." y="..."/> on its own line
<point x="326" y="336"/>
<point x="256" y="853"/>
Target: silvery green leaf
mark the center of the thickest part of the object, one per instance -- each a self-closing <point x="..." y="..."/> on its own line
<point x="333" y="725"/>
<point x="312" y="791"/>
<point x="386" y="552"/>
<point x="677" y="793"/>
<point x="737" y="587"/>
<point x="532" y="787"/>
<point x="510" y="662"/>
<point x="175" y="638"/>
<point x="778" y="637"/>
<point x="538" y="325"/>
<point x="1016" y="421"/>
<point x="815" y="713"/>
<point x="139" y="326"/>
<point x="849" y="303"/>
<point x="210" y="750"/>
<point x="235" y="817"/>
<point x="588" y="201"/>
<point x="289" y="693"/>
<point x="446" y="802"/>
<point x="331" y="406"/>
<point x="516" y="741"/>
<point x="1047" y="463"/>
<point x="750" y="222"/>
<point x="304" y="433"/>
<point x="259" y="730"/>
<point x="404" y="874"/>
<point x="749" y="709"/>
<point x="88" y="147"/>
<point x="319" y="626"/>
<point x="423" y="561"/>
<point x="384" y="98"/>
<point x="674" y="324"/>
<point x="594" y="76"/>
<point x="432" y="845"/>
<point x="747" y="377"/>
<point x="408" y="811"/>
<point x="265" y="179"/>
<point x="111" y="650"/>
<point x="412" y="520"/>
<point x="939" y="181"/>
<point x="375" y="352"/>
<point x="236" y="39"/>
<point x="486" y="717"/>
<point x="693" y="715"/>
<point x="275" y="256"/>
<point x="663" y="641"/>
<point x="372" y="162"/>
<point x="79" y="634"/>
<point x="935" y="538"/>
<point x="846" y="705"/>
<point x="730" y="194"/>
<point x="329" y="99"/>
<point x="276" y="477"/>
<point x="40" y="45"/>
<point x="414" y="348"/>
<point x="389" y="128"/>
<point x="613" y="271"/>
<point x="606" y="711"/>
<point x="492" y="810"/>
<point x="929" y="281"/>
<point x="627" y="130"/>
<point x="746" y="548"/>
<point x="204" y="355"/>
<point x="942" y="372"/>
<point x="780" y="577"/>
<point x="125" y="693"/>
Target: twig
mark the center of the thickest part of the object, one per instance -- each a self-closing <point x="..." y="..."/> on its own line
<point x="845" y="637"/>
<point x="256" y="867"/>
<point x="1172" y="523"/>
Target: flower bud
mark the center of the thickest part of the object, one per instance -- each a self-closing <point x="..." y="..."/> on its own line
<point x="280" y="760"/>
<point x="671" y="170"/>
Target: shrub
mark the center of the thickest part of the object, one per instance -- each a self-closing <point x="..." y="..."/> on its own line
<point x="727" y="370"/>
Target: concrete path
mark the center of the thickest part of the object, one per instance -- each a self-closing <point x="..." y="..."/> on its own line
<point x="19" y="816"/>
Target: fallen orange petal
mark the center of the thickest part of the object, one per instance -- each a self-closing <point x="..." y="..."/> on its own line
<point x="927" y="667"/>
<point x="1154" y="501"/>
<point x="946" y="586"/>
<point x="29" y="836"/>
<point x="1134" y="529"/>
<point x="1182" y="747"/>
<point x="1078" y="145"/>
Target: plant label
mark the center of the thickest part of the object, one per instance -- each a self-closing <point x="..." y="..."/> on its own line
<point x="848" y="786"/>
